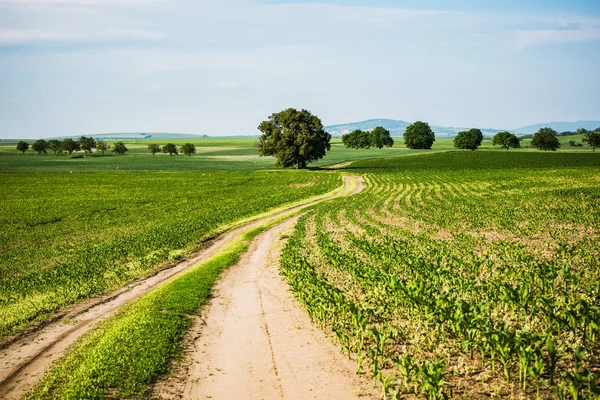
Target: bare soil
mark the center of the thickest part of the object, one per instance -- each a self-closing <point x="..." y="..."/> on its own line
<point x="254" y="340"/>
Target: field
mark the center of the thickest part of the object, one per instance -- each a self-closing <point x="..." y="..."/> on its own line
<point x="67" y="237"/>
<point x="466" y="275"/>
<point x="452" y="274"/>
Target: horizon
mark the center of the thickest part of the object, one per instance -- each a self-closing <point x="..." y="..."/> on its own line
<point x="218" y="68"/>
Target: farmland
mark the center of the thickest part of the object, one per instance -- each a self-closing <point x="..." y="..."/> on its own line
<point x="466" y="275"/>
<point x="67" y="237"/>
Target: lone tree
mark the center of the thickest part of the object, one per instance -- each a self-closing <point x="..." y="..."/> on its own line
<point x="419" y="135"/>
<point x="545" y="139"/>
<point x="55" y="146"/>
<point x="357" y="139"/>
<point x="69" y="145"/>
<point x="170" y="148"/>
<point x="188" y="149"/>
<point x="102" y="146"/>
<point x="154" y="148"/>
<point x="592" y="138"/>
<point x="294" y="138"/>
<point x="119" y="148"/>
<point x="380" y="137"/>
<point x="22" y="146"/>
<point x="506" y="140"/>
<point x="40" y="146"/>
<point x="469" y="140"/>
<point x="87" y="144"/>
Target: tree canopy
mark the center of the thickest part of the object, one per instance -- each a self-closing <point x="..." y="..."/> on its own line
<point x="469" y="140"/>
<point x="119" y="148"/>
<point x="69" y="145"/>
<point x="506" y="140"/>
<point x="419" y="135"/>
<point x="87" y="144"/>
<point x="22" y="146"/>
<point x="380" y="137"/>
<point x="357" y="139"/>
<point x="40" y="146"/>
<point x="55" y="146"/>
<point x="592" y="138"/>
<point x="102" y="146"/>
<point x="545" y="139"/>
<point x="294" y="138"/>
<point x="188" y="149"/>
<point x="170" y="148"/>
<point x="154" y="148"/>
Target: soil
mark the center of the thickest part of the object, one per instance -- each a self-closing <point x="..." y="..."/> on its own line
<point x="254" y="340"/>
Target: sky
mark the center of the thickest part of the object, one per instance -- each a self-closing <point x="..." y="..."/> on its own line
<point x="220" y="67"/>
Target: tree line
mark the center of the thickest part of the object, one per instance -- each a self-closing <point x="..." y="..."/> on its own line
<point x="88" y="144"/>
<point x="69" y="145"/>
<point x="188" y="149"/>
<point x="378" y="137"/>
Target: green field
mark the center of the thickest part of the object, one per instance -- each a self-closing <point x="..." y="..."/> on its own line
<point x="464" y="274"/>
<point x="67" y="237"/>
<point x="455" y="273"/>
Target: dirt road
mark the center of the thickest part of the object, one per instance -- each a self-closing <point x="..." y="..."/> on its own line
<point x="254" y="340"/>
<point x="23" y="361"/>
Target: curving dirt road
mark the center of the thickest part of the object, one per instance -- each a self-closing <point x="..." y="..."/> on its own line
<point x="254" y="340"/>
<point x="23" y="361"/>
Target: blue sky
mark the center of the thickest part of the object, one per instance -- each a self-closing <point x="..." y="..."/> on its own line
<point x="219" y="67"/>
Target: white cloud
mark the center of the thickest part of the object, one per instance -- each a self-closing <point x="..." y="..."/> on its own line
<point x="11" y="37"/>
<point x="531" y="38"/>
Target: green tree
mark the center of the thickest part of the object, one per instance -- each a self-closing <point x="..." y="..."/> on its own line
<point x="419" y="135"/>
<point x="506" y="140"/>
<point x="22" y="146"/>
<point x="188" y="149"/>
<point x="55" y="146"/>
<point x="592" y="138"/>
<point x="294" y="138"/>
<point x="170" y="148"/>
<point x="119" y="148"/>
<point x="87" y="144"/>
<point x="380" y="137"/>
<point x="102" y="146"/>
<point x="69" y="145"/>
<point x="154" y="148"/>
<point x="40" y="146"/>
<point x="357" y="139"/>
<point x="545" y="139"/>
<point x="469" y="140"/>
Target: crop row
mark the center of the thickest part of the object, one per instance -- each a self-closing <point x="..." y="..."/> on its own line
<point x="470" y="284"/>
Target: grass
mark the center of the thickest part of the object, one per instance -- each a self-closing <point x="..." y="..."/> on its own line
<point x="123" y="355"/>
<point x="67" y="237"/>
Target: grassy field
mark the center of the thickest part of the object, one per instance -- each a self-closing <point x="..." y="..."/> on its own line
<point x="463" y="274"/>
<point x="67" y="237"/>
<point x="215" y="154"/>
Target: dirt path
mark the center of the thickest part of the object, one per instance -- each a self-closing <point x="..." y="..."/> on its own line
<point x="23" y="361"/>
<point x="254" y="340"/>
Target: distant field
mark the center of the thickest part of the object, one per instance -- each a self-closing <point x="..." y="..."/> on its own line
<point x="66" y="237"/>
<point x="216" y="154"/>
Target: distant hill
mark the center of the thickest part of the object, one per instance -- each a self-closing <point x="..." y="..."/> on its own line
<point x="397" y="128"/>
<point x="560" y="126"/>
<point x="137" y="136"/>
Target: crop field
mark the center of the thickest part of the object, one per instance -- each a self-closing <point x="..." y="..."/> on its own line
<point x="464" y="275"/>
<point x="67" y="237"/>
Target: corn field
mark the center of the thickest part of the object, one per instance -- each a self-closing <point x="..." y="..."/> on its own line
<point x="459" y="283"/>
